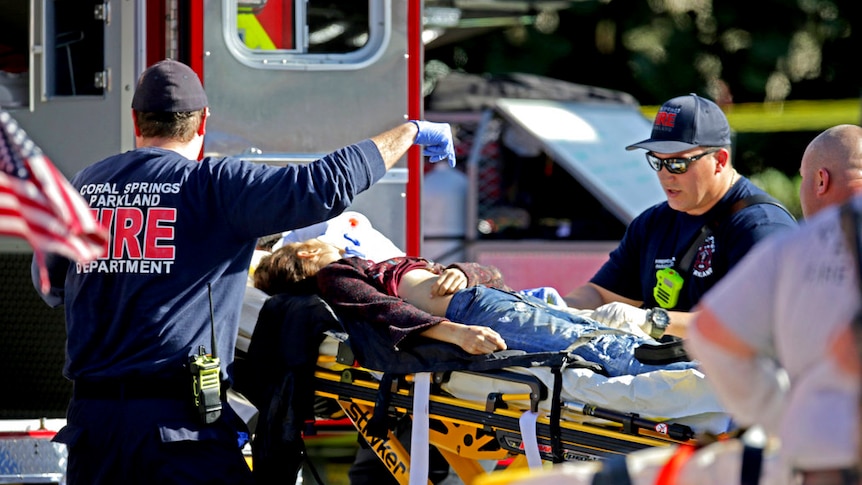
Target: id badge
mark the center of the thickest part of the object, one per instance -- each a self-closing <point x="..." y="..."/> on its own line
<point x="667" y="287"/>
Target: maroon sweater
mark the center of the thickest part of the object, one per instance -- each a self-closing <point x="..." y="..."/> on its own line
<point x="362" y="290"/>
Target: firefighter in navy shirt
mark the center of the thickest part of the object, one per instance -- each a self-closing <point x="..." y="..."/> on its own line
<point x="673" y="252"/>
<point x="182" y="232"/>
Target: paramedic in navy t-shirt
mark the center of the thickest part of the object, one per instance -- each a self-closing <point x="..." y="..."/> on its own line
<point x="648" y="279"/>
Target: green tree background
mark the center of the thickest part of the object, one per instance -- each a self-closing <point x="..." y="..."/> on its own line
<point x="732" y="51"/>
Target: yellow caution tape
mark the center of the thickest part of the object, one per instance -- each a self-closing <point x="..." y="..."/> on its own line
<point x="802" y="115"/>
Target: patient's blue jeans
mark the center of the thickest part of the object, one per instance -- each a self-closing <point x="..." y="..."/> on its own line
<point x="527" y="323"/>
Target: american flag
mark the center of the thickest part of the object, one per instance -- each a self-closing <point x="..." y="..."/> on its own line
<point x="39" y="205"/>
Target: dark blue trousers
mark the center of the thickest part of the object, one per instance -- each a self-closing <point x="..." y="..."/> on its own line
<point x="151" y="441"/>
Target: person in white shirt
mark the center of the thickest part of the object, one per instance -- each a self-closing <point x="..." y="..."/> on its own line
<point x="783" y="319"/>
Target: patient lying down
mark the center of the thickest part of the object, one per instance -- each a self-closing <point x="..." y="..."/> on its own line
<point x="465" y="304"/>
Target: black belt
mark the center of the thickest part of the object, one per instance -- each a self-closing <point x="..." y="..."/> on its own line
<point x="179" y="387"/>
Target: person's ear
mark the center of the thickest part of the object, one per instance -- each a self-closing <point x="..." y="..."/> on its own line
<point x="202" y="129"/>
<point x="822" y="181"/>
<point x="135" y="122"/>
<point x="721" y="157"/>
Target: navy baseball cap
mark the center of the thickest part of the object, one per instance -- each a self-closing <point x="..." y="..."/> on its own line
<point x="169" y="86"/>
<point x="686" y="122"/>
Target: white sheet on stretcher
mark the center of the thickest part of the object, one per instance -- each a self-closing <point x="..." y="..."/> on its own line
<point x="681" y="396"/>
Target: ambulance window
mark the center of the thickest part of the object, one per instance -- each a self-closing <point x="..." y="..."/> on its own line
<point x="306" y="34"/>
<point x="74" y="47"/>
<point x="14" y="64"/>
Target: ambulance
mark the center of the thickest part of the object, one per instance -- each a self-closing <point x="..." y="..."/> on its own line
<point x="288" y="81"/>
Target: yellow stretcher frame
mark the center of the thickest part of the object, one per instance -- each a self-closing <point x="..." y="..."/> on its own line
<point x="467" y="432"/>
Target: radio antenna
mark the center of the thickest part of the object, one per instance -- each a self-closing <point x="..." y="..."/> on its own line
<point x="212" y="320"/>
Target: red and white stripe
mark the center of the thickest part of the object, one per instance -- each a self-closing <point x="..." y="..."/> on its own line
<point x="39" y="205"/>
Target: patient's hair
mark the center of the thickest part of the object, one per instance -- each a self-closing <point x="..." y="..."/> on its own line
<point x="284" y="271"/>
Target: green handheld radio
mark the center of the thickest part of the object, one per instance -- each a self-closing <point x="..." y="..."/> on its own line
<point x="667" y="287"/>
<point x="206" y="377"/>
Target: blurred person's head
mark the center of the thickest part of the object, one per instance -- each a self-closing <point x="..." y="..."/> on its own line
<point x="831" y="168"/>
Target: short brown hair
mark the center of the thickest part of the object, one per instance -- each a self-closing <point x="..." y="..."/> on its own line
<point x="283" y="270"/>
<point x="180" y="126"/>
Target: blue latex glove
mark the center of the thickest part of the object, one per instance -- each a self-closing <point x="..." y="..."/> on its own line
<point x="437" y="140"/>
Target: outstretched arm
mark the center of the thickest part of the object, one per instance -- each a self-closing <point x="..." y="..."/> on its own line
<point x="436" y="138"/>
<point x="394" y="143"/>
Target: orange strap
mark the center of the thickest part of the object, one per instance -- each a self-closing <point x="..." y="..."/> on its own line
<point x="670" y="470"/>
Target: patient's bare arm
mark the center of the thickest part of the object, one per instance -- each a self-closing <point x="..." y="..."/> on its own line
<point x="473" y="339"/>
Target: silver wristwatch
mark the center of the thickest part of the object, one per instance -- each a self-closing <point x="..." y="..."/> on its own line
<point x="658" y="320"/>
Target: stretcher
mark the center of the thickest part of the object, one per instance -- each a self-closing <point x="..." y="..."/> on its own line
<point x="526" y="416"/>
<point x="518" y="416"/>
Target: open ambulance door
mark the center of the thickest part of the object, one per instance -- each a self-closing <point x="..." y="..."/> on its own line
<point x="288" y="81"/>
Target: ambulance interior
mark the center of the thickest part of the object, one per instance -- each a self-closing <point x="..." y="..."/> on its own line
<point x="544" y="184"/>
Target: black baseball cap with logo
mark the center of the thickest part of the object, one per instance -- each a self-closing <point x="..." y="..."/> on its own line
<point x="686" y="122"/>
<point x="169" y="86"/>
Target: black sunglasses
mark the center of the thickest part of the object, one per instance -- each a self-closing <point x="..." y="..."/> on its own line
<point x="675" y="165"/>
